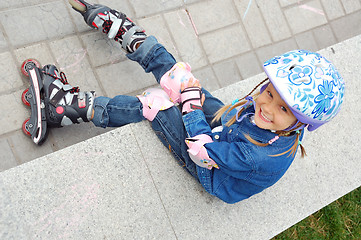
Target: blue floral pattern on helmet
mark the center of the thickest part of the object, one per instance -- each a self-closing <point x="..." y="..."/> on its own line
<point x="272" y="61"/>
<point x="301" y="73"/>
<point x="309" y="84"/>
<point x="323" y="100"/>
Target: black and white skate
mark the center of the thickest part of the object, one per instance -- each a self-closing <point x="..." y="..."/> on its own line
<point x="53" y="101"/>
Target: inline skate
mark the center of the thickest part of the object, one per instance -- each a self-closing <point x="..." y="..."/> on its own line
<point x="53" y="101"/>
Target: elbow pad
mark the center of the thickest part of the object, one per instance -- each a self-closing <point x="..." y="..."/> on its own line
<point x="198" y="153"/>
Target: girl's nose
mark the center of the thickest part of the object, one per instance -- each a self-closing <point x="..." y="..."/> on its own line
<point x="267" y="108"/>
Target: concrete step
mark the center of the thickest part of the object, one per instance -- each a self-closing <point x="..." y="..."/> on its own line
<point x="124" y="184"/>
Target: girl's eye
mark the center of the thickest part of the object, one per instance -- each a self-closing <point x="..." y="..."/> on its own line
<point x="270" y="94"/>
<point x="284" y="109"/>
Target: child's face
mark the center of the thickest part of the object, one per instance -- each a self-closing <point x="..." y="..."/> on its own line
<point x="272" y="112"/>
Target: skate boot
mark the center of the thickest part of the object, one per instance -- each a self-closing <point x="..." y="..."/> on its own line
<point x="53" y="102"/>
<point x="116" y="24"/>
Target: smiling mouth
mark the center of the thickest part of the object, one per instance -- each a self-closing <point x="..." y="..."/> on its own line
<point x="263" y="117"/>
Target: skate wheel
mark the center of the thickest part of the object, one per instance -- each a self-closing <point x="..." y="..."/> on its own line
<point x="77" y="5"/>
<point x="26" y="127"/>
<point x="25" y="96"/>
<point x="28" y="64"/>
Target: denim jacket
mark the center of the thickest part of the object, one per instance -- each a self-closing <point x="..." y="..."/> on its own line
<point x="244" y="168"/>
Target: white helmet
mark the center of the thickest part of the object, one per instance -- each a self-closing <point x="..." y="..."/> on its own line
<point x="309" y="84"/>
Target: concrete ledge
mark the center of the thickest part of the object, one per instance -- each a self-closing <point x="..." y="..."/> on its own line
<point x="124" y="184"/>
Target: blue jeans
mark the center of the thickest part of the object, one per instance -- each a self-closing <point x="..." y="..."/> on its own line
<point x="168" y="124"/>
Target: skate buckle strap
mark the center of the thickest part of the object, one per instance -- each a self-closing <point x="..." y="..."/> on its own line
<point x="191" y="99"/>
<point x="117" y="24"/>
<point x="58" y="96"/>
<point x="67" y="87"/>
<point x="81" y="100"/>
<point x="128" y="35"/>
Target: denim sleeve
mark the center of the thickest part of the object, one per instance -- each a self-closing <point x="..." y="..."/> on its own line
<point x="195" y="123"/>
<point x="232" y="158"/>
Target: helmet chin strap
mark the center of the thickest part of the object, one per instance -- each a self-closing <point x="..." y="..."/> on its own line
<point x="250" y="101"/>
<point x="294" y="125"/>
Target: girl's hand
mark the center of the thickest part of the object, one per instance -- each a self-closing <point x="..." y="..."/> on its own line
<point x="191" y="83"/>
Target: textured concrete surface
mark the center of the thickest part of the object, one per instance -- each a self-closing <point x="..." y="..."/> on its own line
<point x="121" y="185"/>
<point x="224" y="41"/>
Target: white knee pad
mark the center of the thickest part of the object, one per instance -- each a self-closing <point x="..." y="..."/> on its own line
<point x="154" y="100"/>
<point x="171" y="80"/>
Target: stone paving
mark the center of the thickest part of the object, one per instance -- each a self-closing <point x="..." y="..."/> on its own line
<point x="224" y="41"/>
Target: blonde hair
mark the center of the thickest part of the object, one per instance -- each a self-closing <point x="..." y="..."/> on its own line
<point x="225" y="110"/>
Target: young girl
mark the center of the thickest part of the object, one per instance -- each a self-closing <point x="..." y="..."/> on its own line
<point x="234" y="151"/>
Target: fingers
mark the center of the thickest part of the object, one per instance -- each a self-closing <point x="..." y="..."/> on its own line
<point x="191" y="83"/>
<point x="195" y="82"/>
<point x="182" y="86"/>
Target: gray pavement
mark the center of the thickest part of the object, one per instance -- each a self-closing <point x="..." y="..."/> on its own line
<point x="123" y="185"/>
<point x="224" y="42"/>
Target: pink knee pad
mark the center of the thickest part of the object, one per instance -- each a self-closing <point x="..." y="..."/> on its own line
<point x="171" y="80"/>
<point x="154" y="100"/>
<point x="198" y="153"/>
